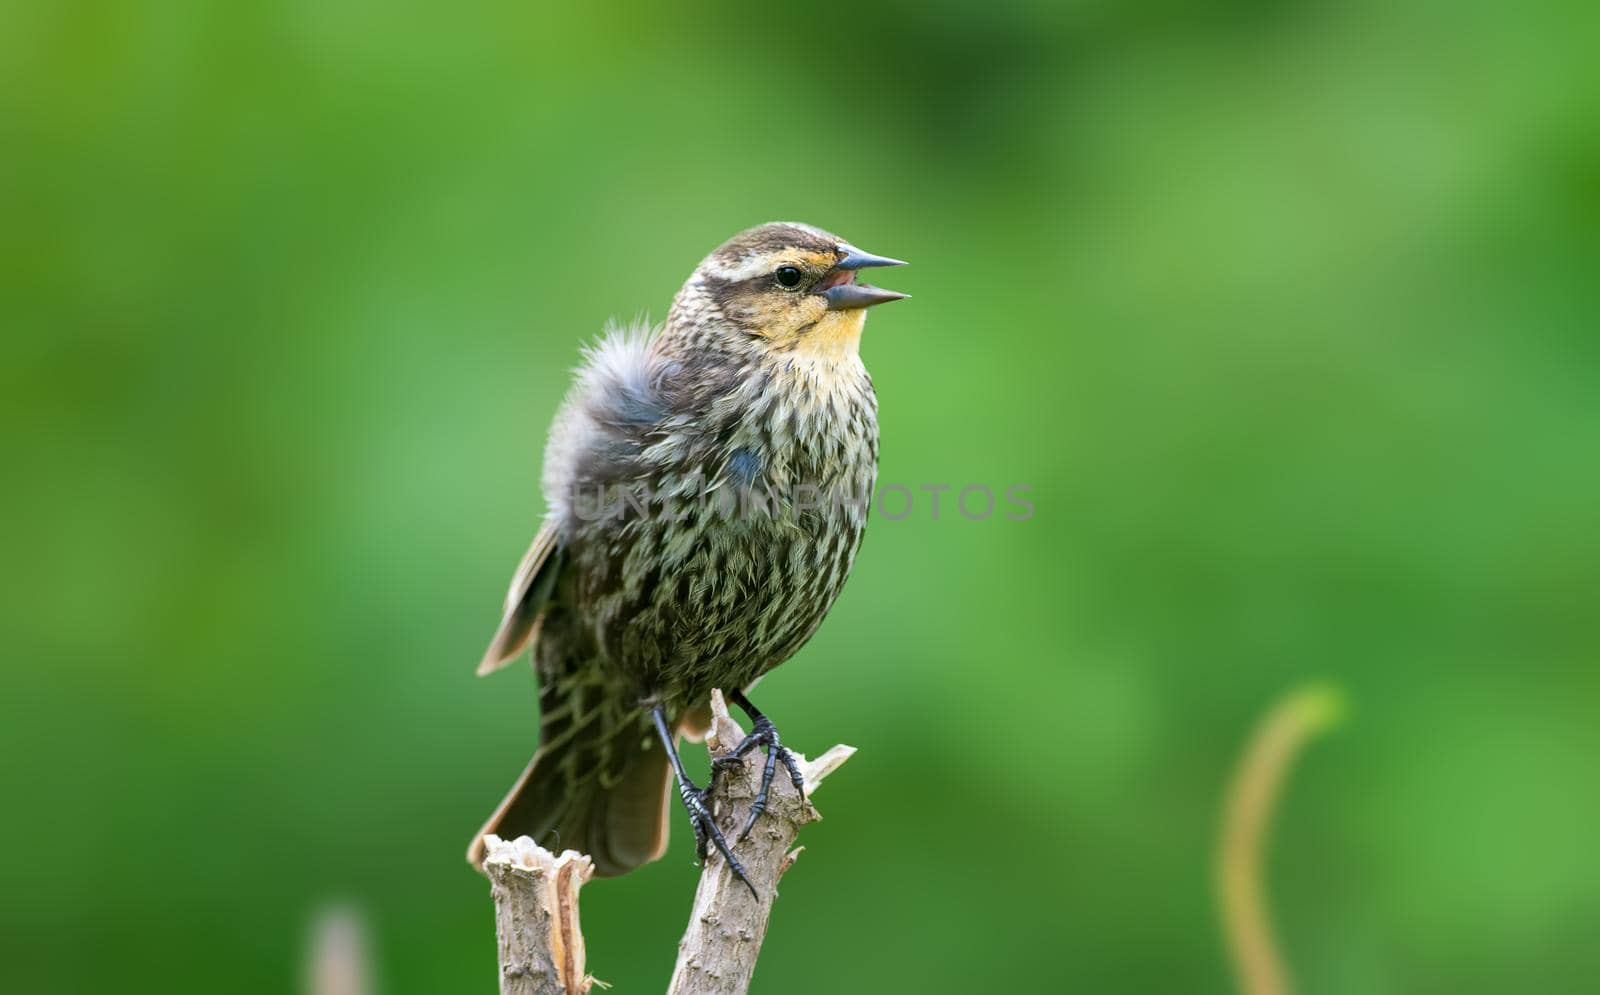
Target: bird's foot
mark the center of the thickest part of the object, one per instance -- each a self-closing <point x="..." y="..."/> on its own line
<point x="697" y="801"/>
<point x="763" y="733"/>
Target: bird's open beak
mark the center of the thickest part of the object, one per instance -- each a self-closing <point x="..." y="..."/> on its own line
<point x="841" y="290"/>
<point x="854" y="258"/>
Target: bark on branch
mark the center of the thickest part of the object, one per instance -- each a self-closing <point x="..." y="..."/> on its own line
<point x="717" y="954"/>
<point x="536" y="893"/>
<point x="536" y="917"/>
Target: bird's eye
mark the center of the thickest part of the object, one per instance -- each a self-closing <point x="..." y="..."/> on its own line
<point x="787" y="276"/>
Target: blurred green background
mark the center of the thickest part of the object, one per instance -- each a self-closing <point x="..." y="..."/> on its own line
<point x="1285" y="311"/>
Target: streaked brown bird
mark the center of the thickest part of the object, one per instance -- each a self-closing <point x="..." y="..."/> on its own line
<point x="707" y="487"/>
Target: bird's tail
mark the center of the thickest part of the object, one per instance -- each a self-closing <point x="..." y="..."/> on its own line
<point x="599" y="784"/>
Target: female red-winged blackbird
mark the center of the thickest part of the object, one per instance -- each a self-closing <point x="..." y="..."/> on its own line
<point x="708" y="487"/>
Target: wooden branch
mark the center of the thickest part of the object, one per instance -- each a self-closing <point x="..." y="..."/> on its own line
<point x="717" y="955"/>
<point x="536" y="917"/>
<point x="536" y="892"/>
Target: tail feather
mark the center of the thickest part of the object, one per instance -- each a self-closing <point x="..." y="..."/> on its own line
<point x="599" y="783"/>
<point x="599" y="787"/>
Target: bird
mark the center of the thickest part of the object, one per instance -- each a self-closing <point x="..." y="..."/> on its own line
<point x="707" y="485"/>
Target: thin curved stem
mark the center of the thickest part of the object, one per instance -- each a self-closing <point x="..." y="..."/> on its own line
<point x="1247" y="817"/>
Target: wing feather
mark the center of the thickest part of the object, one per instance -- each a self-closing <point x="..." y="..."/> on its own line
<point x="530" y="590"/>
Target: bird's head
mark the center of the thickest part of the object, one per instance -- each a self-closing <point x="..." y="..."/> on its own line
<point x="783" y="287"/>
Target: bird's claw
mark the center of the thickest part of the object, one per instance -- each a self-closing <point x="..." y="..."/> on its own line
<point x="763" y="733"/>
<point x="697" y="802"/>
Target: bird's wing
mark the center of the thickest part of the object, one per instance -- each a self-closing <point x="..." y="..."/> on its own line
<point x="530" y="589"/>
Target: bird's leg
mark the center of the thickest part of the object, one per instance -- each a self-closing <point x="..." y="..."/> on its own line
<point x="762" y="733"/>
<point x="698" y="804"/>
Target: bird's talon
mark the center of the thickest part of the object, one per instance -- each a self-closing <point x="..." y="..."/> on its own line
<point x="763" y="734"/>
<point x="697" y="802"/>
